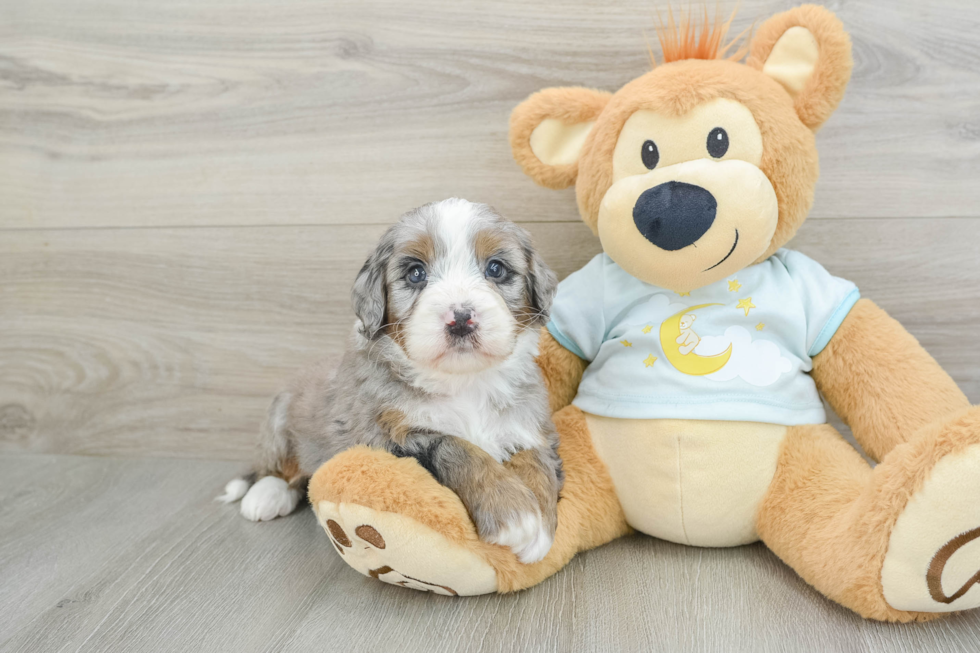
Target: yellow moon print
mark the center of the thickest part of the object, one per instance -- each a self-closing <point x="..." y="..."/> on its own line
<point x="691" y="363"/>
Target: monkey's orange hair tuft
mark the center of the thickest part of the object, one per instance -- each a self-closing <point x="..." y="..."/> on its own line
<point x="689" y="38"/>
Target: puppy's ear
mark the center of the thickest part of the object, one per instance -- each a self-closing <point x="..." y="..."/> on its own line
<point x="548" y="130"/>
<point x="808" y="52"/>
<point x="369" y="295"/>
<point x="541" y="282"/>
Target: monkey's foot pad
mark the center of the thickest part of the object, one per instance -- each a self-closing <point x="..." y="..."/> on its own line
<point x="401" y="551"/>
<point x="933" y="560"/>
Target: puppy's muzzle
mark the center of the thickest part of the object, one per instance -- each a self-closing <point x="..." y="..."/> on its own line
<point x="461" y="323"/>
<point x="674" y="214"/>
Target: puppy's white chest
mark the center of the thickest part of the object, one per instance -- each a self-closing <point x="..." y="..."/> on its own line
<point x="471" y="417"/>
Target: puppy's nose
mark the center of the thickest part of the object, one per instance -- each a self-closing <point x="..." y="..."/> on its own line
<point x="674" y="215"/>
<point x="461" y="323"/>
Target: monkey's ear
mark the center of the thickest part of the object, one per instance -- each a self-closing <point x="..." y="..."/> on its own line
<point x="808" y="52"/>
<point x="548" y="130"/>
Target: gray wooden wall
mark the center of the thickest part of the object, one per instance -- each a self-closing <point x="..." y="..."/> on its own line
<point x="188" y="187"/>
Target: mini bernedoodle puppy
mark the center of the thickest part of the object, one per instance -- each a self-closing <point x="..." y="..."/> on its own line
<point x="440" y="367"/>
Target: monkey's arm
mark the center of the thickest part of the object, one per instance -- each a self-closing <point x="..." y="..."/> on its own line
<point x="881" y="381"/>
<point x="562" y="371"/>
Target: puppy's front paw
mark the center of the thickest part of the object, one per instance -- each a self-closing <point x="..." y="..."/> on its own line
<point x="271" y="497"/>
<point x="527" y="536"/>
<point x="508" y="515"/>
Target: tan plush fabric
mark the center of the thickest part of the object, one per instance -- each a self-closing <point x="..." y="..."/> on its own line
<point x="377" y="480"/>
<point x="562" y="371"/>
<point x="571" y="106"/>
<point x="829" y="516"/>
<point x="824" y="89"/>
<point x="881" y="382"/>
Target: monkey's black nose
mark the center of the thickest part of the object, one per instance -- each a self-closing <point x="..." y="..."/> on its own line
<point x="674" y="215"/>
<point x="462" y="324"/>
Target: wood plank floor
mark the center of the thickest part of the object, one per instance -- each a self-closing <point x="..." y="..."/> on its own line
<point x="108" y="554"/>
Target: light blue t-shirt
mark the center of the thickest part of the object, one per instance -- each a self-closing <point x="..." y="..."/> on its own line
<point x="738" y="349"/>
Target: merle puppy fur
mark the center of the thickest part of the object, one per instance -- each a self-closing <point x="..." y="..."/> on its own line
<point x="440" y="367"/>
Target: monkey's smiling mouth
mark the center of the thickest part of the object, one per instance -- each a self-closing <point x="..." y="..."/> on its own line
<point x="734" y="245"/>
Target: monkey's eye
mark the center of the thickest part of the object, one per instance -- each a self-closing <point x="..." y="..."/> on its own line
<point x="650" y="155"/>
<point x="416" y="275"/>
<point x="495" y="269"/>
<point x="717" y="142"/>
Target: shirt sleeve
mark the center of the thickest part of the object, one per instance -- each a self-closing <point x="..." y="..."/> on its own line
<point x="826" y="299"/>
<point x="577" y="320"/>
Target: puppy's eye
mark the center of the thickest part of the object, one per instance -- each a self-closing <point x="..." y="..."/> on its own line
<point x="495" y="269"/>
<point x="416" y="275"/>
<point x="650" y="155"/>
<point x="717" y="142"/>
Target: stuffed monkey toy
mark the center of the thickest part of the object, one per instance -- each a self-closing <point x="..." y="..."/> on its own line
<point x="686" y="361"/>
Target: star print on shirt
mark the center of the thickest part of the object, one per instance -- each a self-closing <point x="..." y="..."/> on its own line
<point x="746" y="304"/>
<point x="649" y="360"/>
<point x="647" y="329"/>
<point x="683" y="294"/>
<point x="733" y="285"/>
<point x="626" y="343"/>
<point x="760" y="326"/>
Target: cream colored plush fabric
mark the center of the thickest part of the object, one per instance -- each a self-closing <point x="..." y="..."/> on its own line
<point x="691" y="482"/>
<point x="684" y="137"/>
<point x="556" y="143"/>
<point x="945" y="507"/>
<point x="793" y="59"/>
<point x="746" y="201"/>
<point x="401" y="551"/>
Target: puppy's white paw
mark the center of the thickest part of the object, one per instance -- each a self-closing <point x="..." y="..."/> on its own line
<point x="235" y="490"/>
<point x="538" y="548"/>
<point x="271" y="497"/>
<point x="527" y="537"/>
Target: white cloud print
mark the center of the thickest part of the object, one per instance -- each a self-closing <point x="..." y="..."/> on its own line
<point x="757" y="362"/>
<point x="652" y="311"/>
